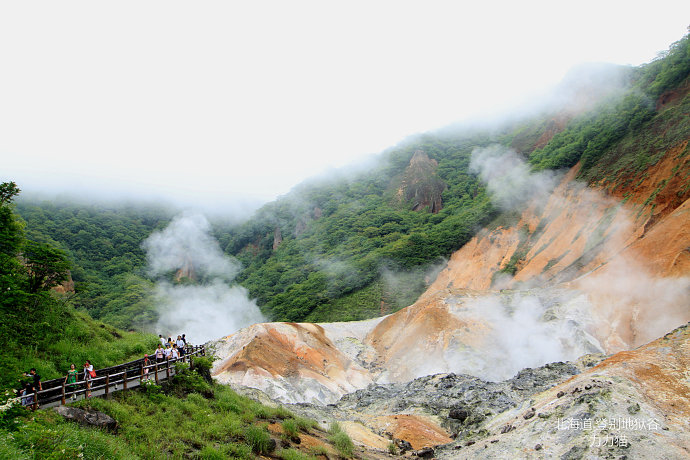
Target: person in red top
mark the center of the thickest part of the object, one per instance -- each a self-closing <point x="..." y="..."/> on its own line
<point x="88" y="376"/>
<point x="147" y="363"/>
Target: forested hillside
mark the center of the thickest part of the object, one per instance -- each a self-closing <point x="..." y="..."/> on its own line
<point x="347" y="247"/>
<point x="105" y="244"/>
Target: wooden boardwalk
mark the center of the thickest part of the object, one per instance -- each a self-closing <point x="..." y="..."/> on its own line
<point x="110" y="380"/>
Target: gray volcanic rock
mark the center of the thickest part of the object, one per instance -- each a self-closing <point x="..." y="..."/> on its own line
<point x="448" y="395"/>
<point x="87" y="417"/>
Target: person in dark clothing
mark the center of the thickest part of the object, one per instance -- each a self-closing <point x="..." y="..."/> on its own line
<point x="35" y="380"/>
<point x="27" y="394"/>
<point x="31" y="387"/>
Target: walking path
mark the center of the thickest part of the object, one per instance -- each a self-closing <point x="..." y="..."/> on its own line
<point x="110" y="379"/>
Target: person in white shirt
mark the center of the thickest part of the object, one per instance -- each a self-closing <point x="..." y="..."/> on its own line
<point x="174" y="353"/>
<point x="180" y="345"/>
<point x="168" y="352"/>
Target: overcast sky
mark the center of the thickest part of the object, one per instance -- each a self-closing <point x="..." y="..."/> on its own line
<point x="235" y="102"/>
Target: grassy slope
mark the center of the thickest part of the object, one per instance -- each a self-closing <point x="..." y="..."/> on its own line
<point x="188" y="418"/>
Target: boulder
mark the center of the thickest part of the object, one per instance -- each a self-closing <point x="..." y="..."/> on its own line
<point x="459" y="413"/>
<point x="87" y="417"/>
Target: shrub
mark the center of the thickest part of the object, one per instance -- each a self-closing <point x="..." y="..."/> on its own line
<point x="305" y="424"/>
<point x="342" y="442"/>
<point x="188" y="380"/>
<point x="290" y="428"/>
<point x="293" y="454"/>
<point x="10" y="411"/>
<point x="319" y="450"/>
<point x="282" y="413"/>
<point x="258" y="439"/>
<point x="202" y="365"/>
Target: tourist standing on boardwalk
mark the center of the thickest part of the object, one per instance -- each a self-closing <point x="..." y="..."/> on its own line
<point x="71" y="380"/>
<point x="89" y="374"/>
<point x="180" y="345"/>
<point x="168" y="351"/>
<point x="147" y="363"/>
<point x="160" y="354"/>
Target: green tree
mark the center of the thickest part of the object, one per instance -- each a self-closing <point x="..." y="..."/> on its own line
<point x="47" y="266"/>
<point x="8" y="190"/>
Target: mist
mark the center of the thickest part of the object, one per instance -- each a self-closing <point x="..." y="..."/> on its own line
<point x="192" y="109"/>
<point x="618" y="305"/>
<point x="525" y="329"/>
<point x="194" y="293"/>
<point x="511" y="184"/>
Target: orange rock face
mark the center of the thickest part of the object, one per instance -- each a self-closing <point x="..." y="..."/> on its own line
<point x="289" y="361"/>
<point x="631" y="258"/>
<point x="417" y="430"/>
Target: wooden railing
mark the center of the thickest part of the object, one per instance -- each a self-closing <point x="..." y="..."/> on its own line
<point x="110" y="379"/>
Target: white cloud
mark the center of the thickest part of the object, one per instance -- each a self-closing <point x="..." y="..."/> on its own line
<point x="211" y="102"/>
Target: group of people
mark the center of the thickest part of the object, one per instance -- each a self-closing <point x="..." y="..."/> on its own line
<point x="72" y="377"/>
<point x="167" y="349"/>
<point x="33" y="385"/>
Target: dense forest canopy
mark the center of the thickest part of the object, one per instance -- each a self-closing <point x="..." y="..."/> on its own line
<point x="347" y="247"/>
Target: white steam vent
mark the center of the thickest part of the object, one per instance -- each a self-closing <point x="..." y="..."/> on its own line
<point x="209" y="306"/>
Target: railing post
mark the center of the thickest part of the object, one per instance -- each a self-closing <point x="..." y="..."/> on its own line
<point x="156" y="371"/>
<point x="35" y="404"/>
<point x="124" y="380"/>
<point x="141" y="377"/>
<point x="167" y="368"/>
<point x="107" y="384"/>
<point x="62" y="400"/>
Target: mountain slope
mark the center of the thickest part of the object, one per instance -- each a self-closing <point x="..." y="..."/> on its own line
<point x="581" y="263"/>
<point x="346" y="240"/>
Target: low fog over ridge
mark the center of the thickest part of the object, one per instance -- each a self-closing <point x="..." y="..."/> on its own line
<point x="235" y="106"/>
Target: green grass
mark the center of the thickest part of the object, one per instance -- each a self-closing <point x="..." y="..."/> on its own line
<point x="290" y="428"/>
<point x="341" y="441"/>
<point x="292" y="454"/>
<point x="305" y="424"/>
<point x="258" y="438"/>
<point x="153" y="424"/>
<point x="82" y="338"/>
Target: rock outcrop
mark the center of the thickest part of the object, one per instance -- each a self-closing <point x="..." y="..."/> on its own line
<point x="289" y="362"/>
<point x="420" y="187"/>
<point x="89" y="417"/>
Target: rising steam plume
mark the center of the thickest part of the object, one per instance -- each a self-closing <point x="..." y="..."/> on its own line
<point x="206" y="305"/>
<point x="616" y="306"/>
